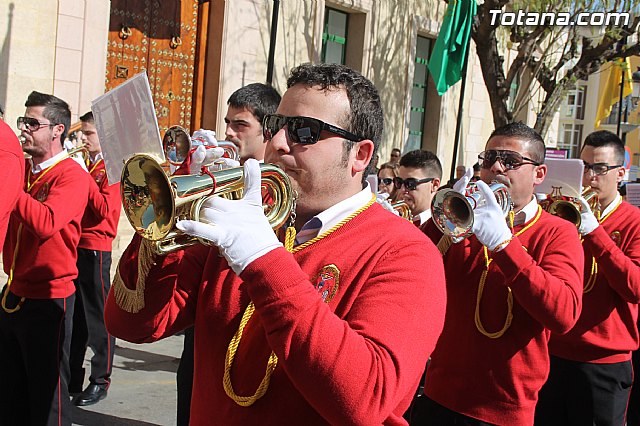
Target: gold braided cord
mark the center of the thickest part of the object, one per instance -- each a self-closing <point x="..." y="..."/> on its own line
<point x="128" y="300"/>
<point x="246" y="401"/>
<point x="15" y="251"/>
<point x="591" y="281"/>
<point x="444" y="244"/>
<point x="483" y="277"/>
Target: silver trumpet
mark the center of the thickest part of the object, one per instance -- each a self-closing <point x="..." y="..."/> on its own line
<point x="177" y="145"/>
<point x="452" y="212"/>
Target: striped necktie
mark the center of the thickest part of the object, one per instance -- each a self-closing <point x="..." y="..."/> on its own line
<point x="309" y="230"/>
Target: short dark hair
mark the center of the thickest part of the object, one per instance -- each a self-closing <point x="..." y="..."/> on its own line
<point x="260" y="99"/>
<point x="476" y="167"/>
<point x="365" y="118"/>
<point x="55" y="110"/>
<point x="425" y="160"/>
<point x="87" y="117"/>
<point x="603" y="138"/>
<point x="519" y="130"/>
<point x="396" y="150"/>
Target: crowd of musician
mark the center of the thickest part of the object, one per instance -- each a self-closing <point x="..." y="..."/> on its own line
<point x="388" y="296"/>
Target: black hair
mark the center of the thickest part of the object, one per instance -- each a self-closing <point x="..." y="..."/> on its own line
<point x="603" y="138"/>
<point x="518" y="130"/>
<point x="55" y="110"/>
<point x="260" y="99"/>
<point x="425" y="160"/>
<point x="365" y="118"/>
<point x="87" y="117"/>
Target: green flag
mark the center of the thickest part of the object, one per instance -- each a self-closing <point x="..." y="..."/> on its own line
<point x="449" y="52"/>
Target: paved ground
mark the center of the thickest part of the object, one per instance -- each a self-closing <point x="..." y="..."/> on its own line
<point x="143" y="390"/>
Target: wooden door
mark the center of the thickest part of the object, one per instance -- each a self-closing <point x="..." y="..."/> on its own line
<point x="159" y="37"/>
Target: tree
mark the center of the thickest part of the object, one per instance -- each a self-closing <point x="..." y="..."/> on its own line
<point x="552" y="58"/>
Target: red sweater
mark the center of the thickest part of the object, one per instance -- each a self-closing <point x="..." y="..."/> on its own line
<point x="50" y="216"/>
<point x="497" y="380"/>
<point x="100" y="220"/>
<point x="11" y="175"/>
<point x="354" y="360"/>
<point x="607" y="330"/>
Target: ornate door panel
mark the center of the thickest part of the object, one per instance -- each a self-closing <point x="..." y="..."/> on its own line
<point x="159" y="37"/>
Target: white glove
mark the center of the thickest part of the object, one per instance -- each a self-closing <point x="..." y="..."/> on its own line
<point x="238" y="227"/>
<point x="461" y="185"/>
<point x="204" y="137"/>
<point x="382" y="199"/>
<point x="489" y="224"/>
<point x="588" y="222"/>
<point x="202" y="156"/>
<point x="224" y="163"/>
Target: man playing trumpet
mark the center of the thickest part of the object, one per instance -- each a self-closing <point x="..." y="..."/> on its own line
<point x="591" y="373"/>
<point x="323" y="329"/>
<point x="508" y="286"/>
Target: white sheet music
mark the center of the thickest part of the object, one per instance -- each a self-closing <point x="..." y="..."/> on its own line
<point x="126" y="124"/>
<point x="563" y="173"/>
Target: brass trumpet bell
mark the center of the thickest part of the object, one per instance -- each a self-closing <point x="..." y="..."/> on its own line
<point x="177" y="145"/>
<point x="452" y="212"/>
<point x="403" y="209"/>
<point x="569" y="208"/>
<point x="154" y="202"/>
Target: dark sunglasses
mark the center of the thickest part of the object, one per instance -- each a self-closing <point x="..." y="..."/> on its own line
<point x="511" y="160"/>
<point x="410" y="183"/>
<point x="302" y="130"/>
<point x="32" y="124"/>
<point x="386" y="181"/>
<point x="599" y="169"/>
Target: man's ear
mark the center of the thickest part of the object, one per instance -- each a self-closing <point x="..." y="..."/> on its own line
<point x="363" y="153"/>
<point x="539" y="174"/>
<point x="435" y="185"/>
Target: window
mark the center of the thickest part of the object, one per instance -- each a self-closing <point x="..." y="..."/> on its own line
<point x="571" y="138"/>
<point x="334" y="36"/>
<point x="419" y="94"/>
<point x="575" y="102"/>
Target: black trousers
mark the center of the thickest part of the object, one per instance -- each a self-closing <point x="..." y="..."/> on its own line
<point x="427" y="412"/>
<point x="184" y="379"/>
<point x="579" y="393"/>
<point x="89" y="330"/>
<point x="633" y="412"/>
<point x="34" y="362"/>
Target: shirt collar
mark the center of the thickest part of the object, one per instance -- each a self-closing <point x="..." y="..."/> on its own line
<point x="423" y="217"/>
<point x="527" y="213"/>
<point x="48" y="163"/>
<point x="612" y="205"/>
<point x="327" y="219"/>
<point x="97" y="158"/>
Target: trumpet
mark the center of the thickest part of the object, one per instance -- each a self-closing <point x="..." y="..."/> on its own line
<point x="177" y="145"/>
<point x="452" y="212"/>
<point x="22" y="141"/>
<point x="570" y="208"/>
<point x="403" y="209"/>
<point x="83" y="150"/>
<point x="154" y="202"/>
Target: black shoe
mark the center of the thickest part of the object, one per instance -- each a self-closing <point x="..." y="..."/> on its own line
<point x="91" y="395"/>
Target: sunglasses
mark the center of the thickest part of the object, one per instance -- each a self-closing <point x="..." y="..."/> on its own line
<point x="386" y="181"/>
<point x="599" y="169"/>
<point x="410" y="183"/>
<point x="32" y="124"/>
<point x="511" y="160"/>
<point x="302" y="130"/>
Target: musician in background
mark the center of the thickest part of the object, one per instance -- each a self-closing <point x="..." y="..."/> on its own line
<point x="99" y="228"/>
<point x="246" y="109"/>
<point x="418" y="180"/>
<point x="386" y="175"/>
<point x="591" y="372"/>
<point x="508" y="285"/>
<point x="11" y="175"/>
<point x="39" y="257"/>
<point x="344" y="332"/>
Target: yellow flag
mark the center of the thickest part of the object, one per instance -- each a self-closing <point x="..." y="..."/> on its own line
<point x="611" y="92"/>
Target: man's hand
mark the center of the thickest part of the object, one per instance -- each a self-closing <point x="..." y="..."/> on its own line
<point x="588" y="221"/>
<point x="489" y="224"/>
<point x="204" y="156"/>
<point x="238" y="227"/>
